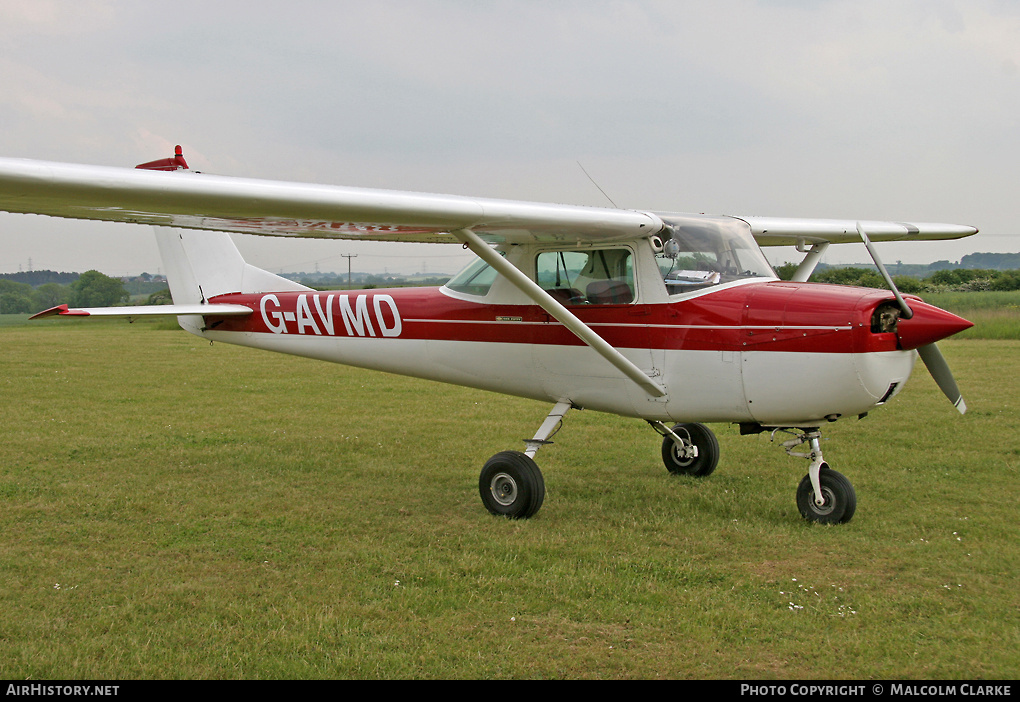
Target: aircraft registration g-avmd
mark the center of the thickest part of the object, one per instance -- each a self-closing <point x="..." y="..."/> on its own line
<point x="676" y="319"/>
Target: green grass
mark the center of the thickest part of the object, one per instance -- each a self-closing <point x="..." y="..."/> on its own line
<point x="172" y="509"/>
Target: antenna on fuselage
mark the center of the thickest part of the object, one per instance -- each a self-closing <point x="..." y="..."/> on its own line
<point x="597" y="185"/>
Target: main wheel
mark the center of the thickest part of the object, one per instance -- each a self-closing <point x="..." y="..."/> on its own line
<point x="708" y="451"/>
<point x="840" y="499"/>
<point x="511" y="485"/>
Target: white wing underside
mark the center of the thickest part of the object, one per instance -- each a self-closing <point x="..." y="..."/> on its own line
<point x="194" y="200"/>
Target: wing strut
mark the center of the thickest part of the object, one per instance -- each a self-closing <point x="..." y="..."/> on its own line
<point x="807" y="266"/>
<point x="560" y="313"/>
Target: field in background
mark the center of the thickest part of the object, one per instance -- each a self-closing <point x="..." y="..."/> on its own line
<point x="172" y="509"/>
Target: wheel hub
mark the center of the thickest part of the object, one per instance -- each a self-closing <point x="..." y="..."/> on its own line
<point x="504" y="489"/>
<point x="827" y="504"/>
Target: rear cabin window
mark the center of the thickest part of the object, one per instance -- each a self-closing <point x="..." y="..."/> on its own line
<point x="588" y="277"/>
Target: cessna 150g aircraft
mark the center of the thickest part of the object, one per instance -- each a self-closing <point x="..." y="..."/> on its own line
<point x="676" y="319"/>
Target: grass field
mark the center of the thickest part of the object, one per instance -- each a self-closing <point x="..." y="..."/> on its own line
<point x="172" y="509"/>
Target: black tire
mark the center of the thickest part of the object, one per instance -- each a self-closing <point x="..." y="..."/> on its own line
<point x="708" y="451"/>
<point x="511" y="485"/>
<point x="840" y="498"/>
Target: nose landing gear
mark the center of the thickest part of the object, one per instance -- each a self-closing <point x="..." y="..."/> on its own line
<point x="823" y="496"/>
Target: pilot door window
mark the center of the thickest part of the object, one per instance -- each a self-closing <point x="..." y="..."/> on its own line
<point x="589" y="277"/>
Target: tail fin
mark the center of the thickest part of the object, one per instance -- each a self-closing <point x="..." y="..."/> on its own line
<point x="203" y="264"/>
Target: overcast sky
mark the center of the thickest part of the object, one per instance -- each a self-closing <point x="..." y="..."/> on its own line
<point x="864" y="109"/>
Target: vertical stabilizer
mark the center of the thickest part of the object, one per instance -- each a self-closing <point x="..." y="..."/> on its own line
<point x="203" y="264"/>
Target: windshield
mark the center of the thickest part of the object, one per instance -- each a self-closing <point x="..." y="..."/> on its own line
<point x="709" y="250"/>
<point x="475" y="279"/>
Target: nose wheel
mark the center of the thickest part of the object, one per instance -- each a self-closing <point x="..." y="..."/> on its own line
<point x="839" y="501"/>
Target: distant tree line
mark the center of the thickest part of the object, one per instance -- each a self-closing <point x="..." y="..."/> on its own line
<point x="90" y="289"/>
<point x="338" y="281"/>
<point x="997" y="261"/>
<point x="945" y="280"/>
<point x="37" y="278"/>
<point x="981" y="262"/>
<point x="987" y="261"/>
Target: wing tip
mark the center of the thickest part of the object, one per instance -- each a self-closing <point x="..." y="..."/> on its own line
<point x="60" y="310"/>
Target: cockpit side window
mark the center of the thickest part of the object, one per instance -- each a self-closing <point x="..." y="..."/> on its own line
<point x="588" y="276"/>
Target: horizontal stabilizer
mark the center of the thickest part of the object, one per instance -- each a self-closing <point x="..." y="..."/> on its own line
<point x="214" y="309"/>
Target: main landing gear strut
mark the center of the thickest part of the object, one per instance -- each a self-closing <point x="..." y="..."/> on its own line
<point x="511" y="485"/>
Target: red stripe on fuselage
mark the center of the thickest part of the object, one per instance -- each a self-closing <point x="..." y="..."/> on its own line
<point x="772" y="316"/>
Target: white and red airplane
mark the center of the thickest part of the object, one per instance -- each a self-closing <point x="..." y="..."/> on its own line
<point x="676" y="319"/>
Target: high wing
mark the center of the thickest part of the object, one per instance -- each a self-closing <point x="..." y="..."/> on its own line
<point x="199" y="201"/>
<point x="195" y="200"/>
<point x="789" y="231"/>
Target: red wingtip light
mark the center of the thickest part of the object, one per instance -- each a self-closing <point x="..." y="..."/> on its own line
<point x="179" y="158"/>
